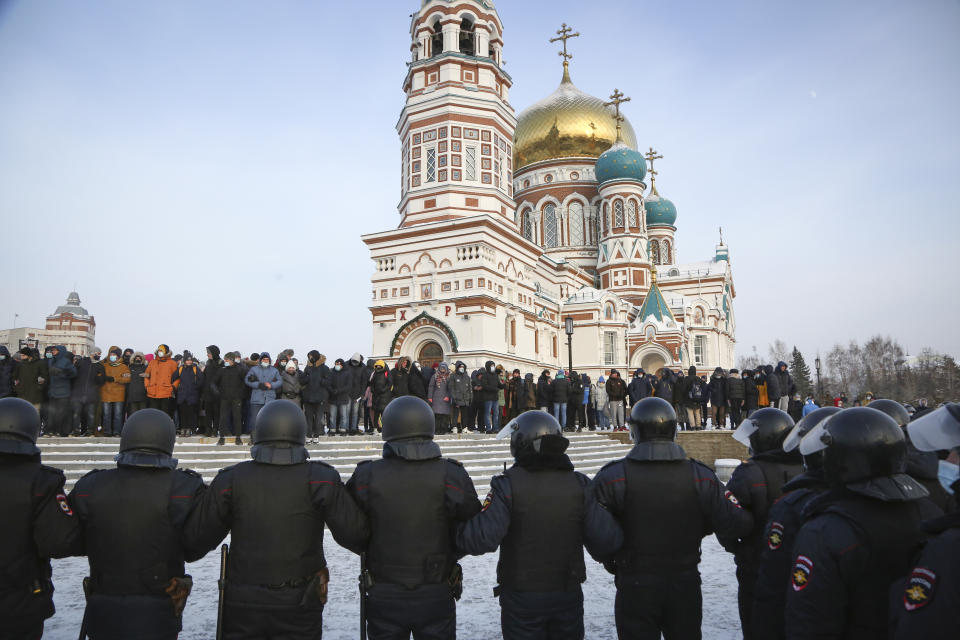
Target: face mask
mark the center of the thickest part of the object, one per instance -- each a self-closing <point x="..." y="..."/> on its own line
<point x="337" y="368"/>
<point x="461" y="369"/>
<point x="283" y="363"/>
<point x="96" y="357"/>
<point x="948" y="473"/>
<point x="312" y="359"/>
<point x="113" y="358"/>
<point x="227" y="363"/>
<point x="264" y="364"/>
<point x="48" y="355"/>
<point x="189" y="363"/>
<point x="490" y="369"/>
<point x="160" y="353"/>
<point x="2" y="357"/>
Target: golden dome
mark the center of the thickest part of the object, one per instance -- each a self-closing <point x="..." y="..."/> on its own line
<point x="568" y="123"/>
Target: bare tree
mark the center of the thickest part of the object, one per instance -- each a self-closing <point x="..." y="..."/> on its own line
<point x="751" y="361"/>
<point x="778" y="352"/>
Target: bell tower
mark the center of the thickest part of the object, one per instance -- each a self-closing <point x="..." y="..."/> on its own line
<point x="456" y="128"/>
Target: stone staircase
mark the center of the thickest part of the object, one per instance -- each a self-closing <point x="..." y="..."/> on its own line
<point x="482" y="455"/>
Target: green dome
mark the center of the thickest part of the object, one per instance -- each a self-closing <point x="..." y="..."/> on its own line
<point x="620" y="162"/>
<point x="660" y="211"/>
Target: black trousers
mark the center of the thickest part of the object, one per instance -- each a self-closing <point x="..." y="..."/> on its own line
<point x="25" y="630"/>
<point x="429" y="612"/>
<point x="541" y="616"/>
<point x="314" y="411"/>
<point x="133" y="407"/>
<point x="126" y="617"/>
<point x="59" y="416"/>
<point x="84" y="416"/>
<point x="231" y="416"/>
<point x="242" y="622"/>
<point x="211" y="415"/>
<point x="167" y="405"/>
<point x="746" y="582"/>
<point x="441" y="422"/>
<point x="189" y="416"/>
<point x="736" y="407"/>
<point x="649" y="605"/>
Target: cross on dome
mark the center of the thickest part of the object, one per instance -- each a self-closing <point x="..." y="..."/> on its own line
<point x="652" y="155"/>
<point x="616" y="99"/>
<point x="564" y="33"/>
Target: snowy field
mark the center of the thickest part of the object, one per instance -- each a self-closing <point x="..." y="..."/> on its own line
<point x="478" y="612"/>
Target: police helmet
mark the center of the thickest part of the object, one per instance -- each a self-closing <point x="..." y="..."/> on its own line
<point x="280" y="421"/>
<point x="534" y="433"/>
<point x="653" y="419"/>
<point x="19" y="427"/>
<point x="937" y="430"/>
<point x="407" y="417"/>
<point x="148" y="431"/>
<point x="802" y="428"/>
<point x="893" y="409"/>
<point x="765" y="430"/>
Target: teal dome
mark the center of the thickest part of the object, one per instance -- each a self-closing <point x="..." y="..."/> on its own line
<point x="660" y="211"/>
<point x="620" y="162"/>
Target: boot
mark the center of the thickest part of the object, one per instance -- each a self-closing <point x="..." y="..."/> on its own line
<point x="220" y="442"/>
<point x="331" y="433"/>
<point x="238" y="441"/>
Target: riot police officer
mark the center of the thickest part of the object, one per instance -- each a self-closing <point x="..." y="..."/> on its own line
<point x="756" y="484"/>
<point x="783" y="524"/>
<point x="927" y="602"/>
<point x="666" y="504"/>
<point x="541" y="513"/>
<point x="858" y="536"/>
<point x="275" y="507"/>
<point x="415" y="499"/>
<point x="38" y="523"/>
<point x="922" y="466"/>
<point x="132" y="518"/>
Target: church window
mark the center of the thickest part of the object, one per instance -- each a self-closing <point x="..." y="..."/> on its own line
<point x="528" y="225"/>
<point x="456" y="175"/>
<point x="631" y="213"/>
<point x="665" y="253"/>
<point x="485" y="136"/>
<point x="550" y="226"/>
<point x="468" y="283"/>
<point x="654" y="252"/>
<point x="699" y="350"/>
<point x="442" y="132"/>
<point x="471" y="134"/>
<point x="442" y="175"/>
<point x="554" y="345"/>
<point x="383" y="293"/>
<point x="442" y="146"/>
<point x="454" y="145"/>
<point x="431" y="165"/>
<point x="485" y="178"/>
<point x="618" y="214"/>
<point x="513" y="332"/>
<point x="445" y="286"/>
<point x="605" y="218"/>
<point x="471" y="167"/>
<point x="404" y="291"/>
<point x="500" y="166"/>
<point x="455" y="160"/>
<point x="416" y="166"/>
<point x="481" y="282"/>
<point x="594" y="226"/>
<point x="485" y="148"/>
<point x="442" y="161"/>
<point x="574" y="175"/>
<point x="609" y="347"/>
<point x="436" y="40"/>
<point x="548" y="178"/>
<point x="575" y="211"/>
<point x="455" y="132"/>
<point x="416" y="140"/>
<point x="485" y="163"/>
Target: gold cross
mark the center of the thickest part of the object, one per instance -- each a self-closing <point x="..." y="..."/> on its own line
<point x="652" y="155"/>
<point x="616" y="99"/>
<point x="564" y="34"/>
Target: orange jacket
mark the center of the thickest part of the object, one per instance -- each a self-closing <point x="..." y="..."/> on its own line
<point x="115" y="391"/>
<point x="159" y="383"/>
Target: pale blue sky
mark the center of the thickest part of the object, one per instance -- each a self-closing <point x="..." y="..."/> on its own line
<point x="203" y="171"/>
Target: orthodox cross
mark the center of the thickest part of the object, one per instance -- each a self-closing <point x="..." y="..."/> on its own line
<point x="652" y="155"/>
<point x="564" y="34"/>
<point x="721" y="235"/>
<point x="616" y="99"/>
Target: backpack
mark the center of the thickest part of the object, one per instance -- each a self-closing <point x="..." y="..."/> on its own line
<point x="696" y="390"/>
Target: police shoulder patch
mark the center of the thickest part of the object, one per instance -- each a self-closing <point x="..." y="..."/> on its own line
<point x="64" y="505"/>
<point x="802" y="573"/>
<point x="775" y="536"/>
<point x="920" y="589"/>
<point x="732" y="498"/>
<point x="487" y="501"/>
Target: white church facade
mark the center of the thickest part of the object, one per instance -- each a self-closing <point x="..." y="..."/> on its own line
<point x="510" y="225"/>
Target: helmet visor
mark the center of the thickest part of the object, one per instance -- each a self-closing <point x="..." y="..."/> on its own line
<point x="507" y="430"/>
<point x="939" y="429"/>
<point x="817" y="440"/>
<point x="795" y="437"/>
<point x="746" y="429"/>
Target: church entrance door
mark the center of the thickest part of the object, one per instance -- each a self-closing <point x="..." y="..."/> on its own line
<point x="431" y="353"/>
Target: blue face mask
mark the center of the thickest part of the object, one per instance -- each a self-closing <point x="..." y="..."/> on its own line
<point x="48" y="355"/>
<point x="947" y="474"/>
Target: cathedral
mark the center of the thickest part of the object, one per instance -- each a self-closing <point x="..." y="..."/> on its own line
<point x="532" y="239"/>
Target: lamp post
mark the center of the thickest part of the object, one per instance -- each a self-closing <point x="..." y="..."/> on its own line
<point x="568" y="327"/>
<point x="816" y="363"/>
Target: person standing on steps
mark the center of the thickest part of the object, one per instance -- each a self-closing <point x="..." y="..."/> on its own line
<point x="230" y="387"/>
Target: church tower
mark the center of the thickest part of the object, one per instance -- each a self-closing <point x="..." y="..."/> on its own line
<point x="456" y="128"/>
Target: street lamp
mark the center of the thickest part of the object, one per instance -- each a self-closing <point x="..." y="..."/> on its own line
<point x="568" y="327"/>
<point x="816" y="363"/>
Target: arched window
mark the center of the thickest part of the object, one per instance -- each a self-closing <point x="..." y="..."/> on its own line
<point x="665" y="252"/>
<point x="618" y="214"/>
<point x="594" y="226"/>
<point x="631" y="213"/>
<point x="527" y="224"/>
<point x="575" y="211"/>
<point x="550" y="235"/>
<point x="654" y="252"/>
<point x="436" y="40"/>
<point x="467" y="39"/>
<point x="605" y="221"/>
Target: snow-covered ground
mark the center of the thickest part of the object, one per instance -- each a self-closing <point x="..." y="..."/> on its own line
<point x="478" y="612"/>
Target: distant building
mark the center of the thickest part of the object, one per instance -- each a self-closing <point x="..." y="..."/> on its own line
<point x="70" y="325"/>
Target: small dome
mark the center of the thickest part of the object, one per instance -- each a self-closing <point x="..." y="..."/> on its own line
<point x="620" y="162"/>
<point x="72" y="306"/>
<point x="660" y="211"/>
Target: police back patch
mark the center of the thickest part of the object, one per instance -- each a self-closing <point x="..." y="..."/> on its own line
<point x="775" y="536"/>
<point x="802" y="573"/>
<point x="920" y="589"/>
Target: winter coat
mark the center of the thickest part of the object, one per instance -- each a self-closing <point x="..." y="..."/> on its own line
<point x="26" y="376"/>
<point x="115" y="390"/>
<point x="8" y="369"/>
<point x="188" y="381"/>
<point x="209" y="375"/>
<point x="316" y="383"/>
<point x="687" y="390"/>
<point x="735" y="387"/>
<point x="229" y="383"/>
<point x="795" y="409"/>
<point x="599" y="392"/>
<point x="664" y="386"/>
<point x="774" y="392"/>
<point x="380" y="390"/>
<point x="489" y="383"/>
<point x="502" y="393"/>
<point x="137" y="390"/>
<point x="561" y="390"/>
<point x="62" y="371"/>
<point x="751" y="395"/>
<point x="257" y="376"/>
<point x="438" y="392"/>
<point x="461" y="391"/>
<point x="416" y="384"/>
<point x="584" y="389"/>
<point x="87" y="383"/>
<point x="576" y="388"/>
<point x="290" y="387"/>
<point x="514" y="392"/>
<point x="784" y="380"/>
<point x="160" y="374"/>
<point x="340" y="385"/>
<point x="357" y="374"/>
<point x="400" y="381"/>
<point x="679" y="382"/>
<point x="639" y="387"/>
<point x="717" y="389"/>
<point x="527" y="398"/>
<point x="616" y="388"/>
<point x="544" y="391"/>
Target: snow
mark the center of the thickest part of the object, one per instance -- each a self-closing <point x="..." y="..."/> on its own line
<point x="478" y="612"/>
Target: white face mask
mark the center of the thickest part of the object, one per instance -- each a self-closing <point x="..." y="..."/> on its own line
<point x="227" y="363"/>
<point x="337" y="367"/>
<point x="264" y="364"/>
<point x="113" y="358"/>
<point x="161" y="353"/>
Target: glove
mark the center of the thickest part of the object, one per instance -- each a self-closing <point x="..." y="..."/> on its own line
<point x="251" y="378"/>
<point x="178" y="590"/>
<point x="262" y="386"/>
<point x="108" y="378"/>
<point x="55" y="371"/>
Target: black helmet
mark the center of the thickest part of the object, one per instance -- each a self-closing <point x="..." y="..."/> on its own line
<point x="535" y="433"/>
<point x="765" y="430"/>
<point x="280" y="421"/>
<point x="19" y="427"/>
<point x="802" y="428"/>
<point x="893" y="409"/>
<point x="148" y="431"/>
<point x="653" y="419"/>
<point x="407" y="417"/>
